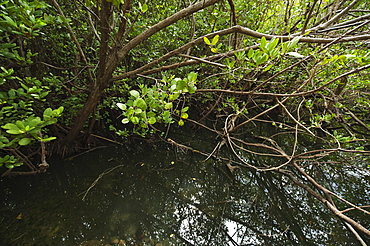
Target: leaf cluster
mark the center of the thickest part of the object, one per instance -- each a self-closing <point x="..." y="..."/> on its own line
<point x="155" y="104"/>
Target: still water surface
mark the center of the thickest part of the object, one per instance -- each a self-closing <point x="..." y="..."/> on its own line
<point x="145" y="194"/>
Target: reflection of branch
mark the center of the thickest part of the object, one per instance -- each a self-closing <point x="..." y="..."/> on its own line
<point x="276" y="235"/>
<point x="100" y="176"/>
<point x="327" y="201"/>
<point x="203" y="60"/>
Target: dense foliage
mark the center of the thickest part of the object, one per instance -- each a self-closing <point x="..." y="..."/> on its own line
<point x="299" y="66"/>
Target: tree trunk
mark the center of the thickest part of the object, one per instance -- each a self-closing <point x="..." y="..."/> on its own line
<point x="90" y="105"/>
<point x="110" y="58"/>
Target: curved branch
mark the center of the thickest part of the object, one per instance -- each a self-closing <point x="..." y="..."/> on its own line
<point x="332" y="20"/>
<point x="328" y="201"/>
<point x="75" y="40"/>
<point x="234" y="29"/>
<point x="163" y="24"/>
<point x="356" y="70"/>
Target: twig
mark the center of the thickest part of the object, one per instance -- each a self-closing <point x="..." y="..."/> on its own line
<point x="204" y="61"/>
<point x="74" y="38"/>
<point x="294" y="119"/>
<point x="87" y="151"/>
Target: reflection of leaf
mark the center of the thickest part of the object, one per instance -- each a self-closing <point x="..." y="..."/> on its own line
<point x="20" y="216"/>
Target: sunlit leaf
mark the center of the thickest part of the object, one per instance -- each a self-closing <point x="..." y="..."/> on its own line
<point x="135" y="93"/>
<point x="144" y="8"/>
<point x="184" y="115"/>
<point x="215" y="39"/>
<point x="295" y="54"/>
<point x="206" y="40"/>
<point x="121" y="106"/>
<point x="125" y="121"/>
<point x="48" y="139"/>
<point x="152" y="120"/>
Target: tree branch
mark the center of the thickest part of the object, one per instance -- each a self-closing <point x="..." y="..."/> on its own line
<point x="75" y="40"/>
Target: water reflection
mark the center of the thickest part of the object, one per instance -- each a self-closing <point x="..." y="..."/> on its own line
<point x="162" y="196"/>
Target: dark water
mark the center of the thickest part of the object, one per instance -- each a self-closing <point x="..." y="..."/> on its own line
<point x="159" y="194"/>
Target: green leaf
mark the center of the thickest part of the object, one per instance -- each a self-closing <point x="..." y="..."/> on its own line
<point x="14" y="132"/>
<point x="20" y="124"/>
<point x="9" y="21"/>
<point x="144" y="8"/>
<point x="24" y="141"/>
<point x="250" y="53"/>
<point x="181" y="123"/>
<point x="294" y="42"/>
<point x="185" y="109"/>
<point x="152" y="120"/>
<point x="140" y="103"/>
<point x="192" y="89"/>
<point x="180" y="84"/>
<point x="261" y="59"/>
<point x="8" y="165"/>
<point x="135" y="93"/>
<point x="184" y="115"/>
<point x="122" y="106"/>
<point x="33" y="122"/>
<point x="12" y="128"/>
<point x="60" y="110"/>
<point x="125" y="121"/>
<point x="151" y="114"/>
<point x="263" y="43"/>
<point x="48" y="139"/>
<point x="135" y="120"/>
<point x="272" y="44"/>
<point x="48" y="113"/>
<point x="192" y="77"/>
<point x="295" y="54"/>
<point x="166" y="115"/>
